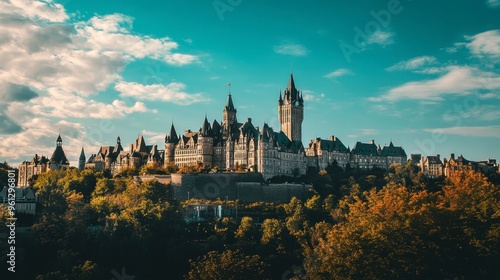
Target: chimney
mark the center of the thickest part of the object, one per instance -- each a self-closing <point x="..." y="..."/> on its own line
<point x="249" y="120"/>
<point x="438" y="156"/>
<point x="332" y="137"/>
<point x="372" y="142"/>
<point x="131" y="148"/>
<point x="452" y="156"/>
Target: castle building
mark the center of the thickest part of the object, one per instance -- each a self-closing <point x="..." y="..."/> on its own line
<point x="453" y="164"/>
<point x="231" y="144"/>
<point x="115" y="158"/>
<point x="364" y="156"/>
<point x="431" y="166"/>
<point x="41" y="164"/>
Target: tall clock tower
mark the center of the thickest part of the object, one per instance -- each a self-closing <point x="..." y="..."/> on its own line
<point x="291" y="111"/>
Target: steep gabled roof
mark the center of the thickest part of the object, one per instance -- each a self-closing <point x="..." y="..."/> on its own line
<point x="365" y="149"/>
<point x="154" y="155"/>
<point x="331" y="145"/>
<point x="267" y="134"/>
<point x="141" y="145"/>
<point x="393" y="151"/>
<point x="433" y="160"/>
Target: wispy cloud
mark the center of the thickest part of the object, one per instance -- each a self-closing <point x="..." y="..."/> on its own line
<point x="459" y="80"/>
<point x="173" y="92"/>
<point x="311" y="96"/>
<point x="471" y="131"/>
<point x="38" y="137"/>
<point x="153" y="137"/>
<point x="413" y="64"/>
<point x="54" y="63"/>
<point x="368" y="131"/>
<point x="291" y="49"/>
<point x="493" y="3"/>
<point x="338" y="73"/>
<point x="380" y="37"/>
<point x="486" y="44"/>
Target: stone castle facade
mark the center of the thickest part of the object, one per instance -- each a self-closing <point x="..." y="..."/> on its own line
<point x="232" y="143"/>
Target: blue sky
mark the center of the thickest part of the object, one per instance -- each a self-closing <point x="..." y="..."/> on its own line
<point x="423" y="74"/>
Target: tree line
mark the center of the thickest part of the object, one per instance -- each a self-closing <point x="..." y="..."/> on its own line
<point x="378" y="224"/>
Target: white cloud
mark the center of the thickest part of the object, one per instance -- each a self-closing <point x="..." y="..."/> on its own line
<point x="310" y="96"/>
<point x="39" y="137"/>
<point x="413" y="64"/>
<point x="338" y="73"/>
<point x="382" y="38"/>
<point x="291" y="49"/>
<point x="493" y="3"/>
<point x="65" y="62"/>
<point x="472" y="131"/>
<point x="51" y="66"/>
<point x="112" y="33"/>
<point x="489" y="95"/>
<point x="40" y="10"/>
<point x="154" y="137"/>
<point x="173" y="92"/>
<point x="481" y="113"/>
<point x="368" y="131"/>
<point x="459" y="80"/>
<point x="485" y="44"/>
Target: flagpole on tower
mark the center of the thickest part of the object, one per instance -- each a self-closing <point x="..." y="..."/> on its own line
<point x="229" y="86"/>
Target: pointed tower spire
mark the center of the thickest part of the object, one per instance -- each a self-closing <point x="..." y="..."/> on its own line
<point x="172" y="135"/>
<point x="229" y="103"/>
<point x="82" y="154"/>
<point x="206" y="130"/>
<point x="59" y="141"/>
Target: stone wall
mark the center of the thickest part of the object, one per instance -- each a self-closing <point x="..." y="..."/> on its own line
<point x="254" y="192"/>
<point x="248" y="187"/>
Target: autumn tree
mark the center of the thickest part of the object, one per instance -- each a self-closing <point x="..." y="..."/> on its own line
<point x="227" y="265"/>
<point x="246" y="230"/>
<point x="399" y="232"/>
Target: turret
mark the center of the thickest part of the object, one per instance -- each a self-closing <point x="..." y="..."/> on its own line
<point x="81" y="160"/>
<point x="171" y="140"/>
<point x="59" y="141"/>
